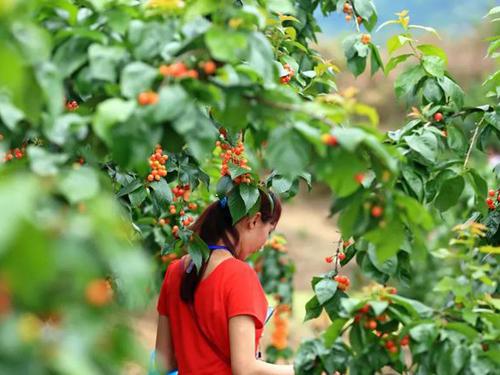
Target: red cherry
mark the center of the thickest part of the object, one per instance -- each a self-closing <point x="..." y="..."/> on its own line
<point x="365" y="309"/>
<point x="329" y="259"/>
<point x="341" y="256"/>
<point x="405" y="341"/>
<point x="438" y="117"/>
<point x="377" y="211"/>
<point x="489" y="201"/>
<point x="491" y="193"/>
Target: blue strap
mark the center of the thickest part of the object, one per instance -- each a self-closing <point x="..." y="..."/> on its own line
<point x="216" y="247"/>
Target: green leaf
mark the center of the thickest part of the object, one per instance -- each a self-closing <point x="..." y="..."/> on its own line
<point x="66" y="126"/>
<point x="135" y="78"/>
<point x="149" y="38"/>
<point x="137" y="197"/>
<point x="432" y="91"/>
<point x="281" y="6"/>
<point x="396" y="42"/>
<point x="198" y="250"/>
<point x="287" y="152"/>
<point x="425" y="145"/>
<point x="450" y="192"/>
<point x="80" y="184"/>
<point x="325" y="290"/>
<point x="331" y="334"/>
<point x="313" y="309"/>
<point x="407" y="81"/>
<point x="425" y="333"/>
<point x="51" y="82"/>
<point x="456" y="139"/>
<point x="43" y="162"/>
<point x="9" y="113"/>
<point x="387" y="240"/>
<point x="454" y="93"/>
<point x="415" y="211"/>
<point x="224" y="185"/>
<point x="226" y="44"/>
<point x="162" y="191"/>
<point x="432" y="50"/>
<point x="260" y="56"/>
<point x="464" y="329"/>
<point x="71" y="55"/>
<point x="395" y="61"/>
<point x="414" y="181"/>
<point x="34" y="42"/>
<point x="249" y="194"/>
<point x="434" y="65"/>
<point x="172" y="102"/>
<point x="357" y="65"/>
<point x="376" y="61"/>
<point x="425" y="28"/>
<point x="236" y="205"/>
<point x="108" y="114"/>
<point x="104" y="60"/>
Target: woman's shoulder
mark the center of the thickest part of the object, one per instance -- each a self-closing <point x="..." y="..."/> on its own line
<point x="239" y="269"/>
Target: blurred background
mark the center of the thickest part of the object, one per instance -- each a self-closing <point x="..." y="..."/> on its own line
<point x="311" y="235"/>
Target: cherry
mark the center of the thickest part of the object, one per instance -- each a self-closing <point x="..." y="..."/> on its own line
<point x="389" y="344"/>
<point x="405" y="341"/>
<point x="365" y="309"/>
<point x="438" y="117"/>
<point x="377" y="211"/>
<point x="329" y="259"/>
<point x="491" y="193"/>
<point x="209" y="67"/>
<point x="329" y="139"/>
<point x="341" y="256"/>
<point x="359" y="177"/>
<point x="366" y="38"/>
<point x="489" y="202"/>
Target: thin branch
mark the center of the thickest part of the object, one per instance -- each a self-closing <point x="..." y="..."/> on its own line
<point x="473" y="141"/>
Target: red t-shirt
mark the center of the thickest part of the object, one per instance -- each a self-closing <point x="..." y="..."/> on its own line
<point x="232" y="288"/>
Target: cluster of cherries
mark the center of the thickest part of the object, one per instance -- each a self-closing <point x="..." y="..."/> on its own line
<point x="17" y="152"/>
<point x="71" y="105"/>
<point x="177" y="70"/>
<point x="343" y="282"/>
<point x="286" y="78"/>
<point x="348" y="11"/>
<point x="276" y="244"/>
<point x="341" y="255"/>
<point x="493" y="199"/>
<point x="181" y="207"/>
<point x="235" y="156"/>
<point x="279" y="337"/>
<point x="157" y="163"/>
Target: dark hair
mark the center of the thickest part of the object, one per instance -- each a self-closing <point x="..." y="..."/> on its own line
<point x="214" y="224"/>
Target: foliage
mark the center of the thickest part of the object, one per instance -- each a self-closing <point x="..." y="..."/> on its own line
<point x="92" y="88"/>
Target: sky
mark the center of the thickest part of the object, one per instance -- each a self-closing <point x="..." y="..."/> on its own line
<point x="447" y="16"/>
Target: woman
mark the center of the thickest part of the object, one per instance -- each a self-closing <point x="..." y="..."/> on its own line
<point x="211" y="322"/>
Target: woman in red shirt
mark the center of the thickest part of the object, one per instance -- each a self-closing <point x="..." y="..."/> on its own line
<point x="210" y="323"/>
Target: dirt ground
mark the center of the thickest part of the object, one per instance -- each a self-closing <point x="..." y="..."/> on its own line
<point x="311" y="237"/>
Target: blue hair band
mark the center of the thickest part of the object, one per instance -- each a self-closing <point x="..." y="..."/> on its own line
<point x="223" y="202"/>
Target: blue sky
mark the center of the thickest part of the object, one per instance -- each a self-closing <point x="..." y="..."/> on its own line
<point x="447" y="16"/>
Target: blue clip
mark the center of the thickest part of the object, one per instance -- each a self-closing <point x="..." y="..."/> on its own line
<point x="223" y="202"/>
